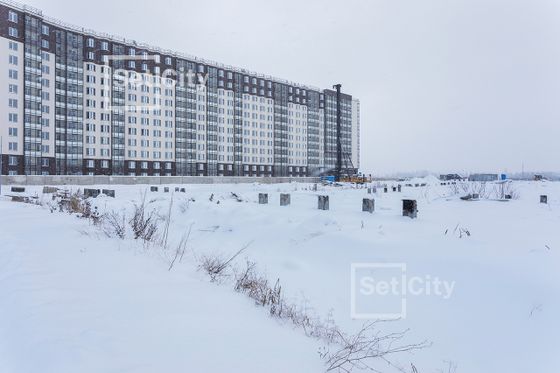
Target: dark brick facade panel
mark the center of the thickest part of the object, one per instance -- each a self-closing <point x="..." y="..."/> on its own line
<point x="6" y="167"/>
<point x="5" y="24"/>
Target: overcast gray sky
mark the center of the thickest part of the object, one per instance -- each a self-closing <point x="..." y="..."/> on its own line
<point x="445" y="85"/>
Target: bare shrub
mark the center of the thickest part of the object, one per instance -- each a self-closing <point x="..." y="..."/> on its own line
<point x="369" y="344"/>
<point x="460" y="231"/>
<point x="348" y="351"/>
<point x="471" y="188"/>
<point x="167" y="221"/>
<point x="504" y="189"/>
<point x="144" y="224"/>
<point x="236" y="197"/>
<point x="115" y="225"/>
<point x="450" y="367"/>
<point x="75" y="203"/>
<point x="257" y="288"/>
<point x="216" y="266"/>
<point x="181" y="248"/>
<point x="454" y="189"/>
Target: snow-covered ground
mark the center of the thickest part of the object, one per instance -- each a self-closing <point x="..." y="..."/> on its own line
<point x="72" y="299"/>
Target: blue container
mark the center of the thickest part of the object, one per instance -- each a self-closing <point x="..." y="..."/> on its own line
<point x="330" y="179"/>
<point x="503" y="177"/>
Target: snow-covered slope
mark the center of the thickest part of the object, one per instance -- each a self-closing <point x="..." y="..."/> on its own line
<point x="72" y="303"/>
<point x="78" y="301"/>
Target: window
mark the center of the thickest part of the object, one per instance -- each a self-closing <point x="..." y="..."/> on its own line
<point x="45" y="30"/>
<point x="45" y="44"/>
<point x="91" y="163"/>
<point x="104" y="164"/>
<point x="12" y="117"/>
<point x="13" y="74"/>
<point x="91" y="55"/>
<point x="13" y="60"/>
<point x="12" y="102"/>
<point x="13" y="46"/>
<point x="12" y="88"/>
<point x="13" y="146"/>
<point x="12" y="161"/>
<point x="168" y="60"/>
<point x="13" y="32"/>
<point x="13" y="17"/>
<point x="104" y="45"/>
<point x="12" y="132"/>
<point x="45" y="161"/>
<point x="91" y="43"/>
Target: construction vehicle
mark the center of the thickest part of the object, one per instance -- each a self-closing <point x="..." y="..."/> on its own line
<point x="357" y="179"/>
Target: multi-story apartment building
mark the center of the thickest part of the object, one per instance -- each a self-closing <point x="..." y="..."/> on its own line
<point x="73" y="101"/>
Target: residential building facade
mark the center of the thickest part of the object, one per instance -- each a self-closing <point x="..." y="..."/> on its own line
<point x="73" y="102"/>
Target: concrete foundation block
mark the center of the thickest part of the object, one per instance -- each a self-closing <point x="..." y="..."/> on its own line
<point x="368" y="205"/>
<point x="91" y="193"/>
<point x="154" y="189"/>
<point x="323" y="202"/>
<point x="263" y="198"/>
<point x="49" y="190"/>
<point x="544" y="199"/>
<point x="284" y="199"/>
<point x="410" y="208"/>
<point x="109" y="192"/>
<point x="18" y="189"/>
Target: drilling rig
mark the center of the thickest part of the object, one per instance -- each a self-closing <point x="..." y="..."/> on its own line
<point x="344" y="170"/>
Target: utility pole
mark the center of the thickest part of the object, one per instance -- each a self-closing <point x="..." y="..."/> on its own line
<point x="338" y="132"/>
